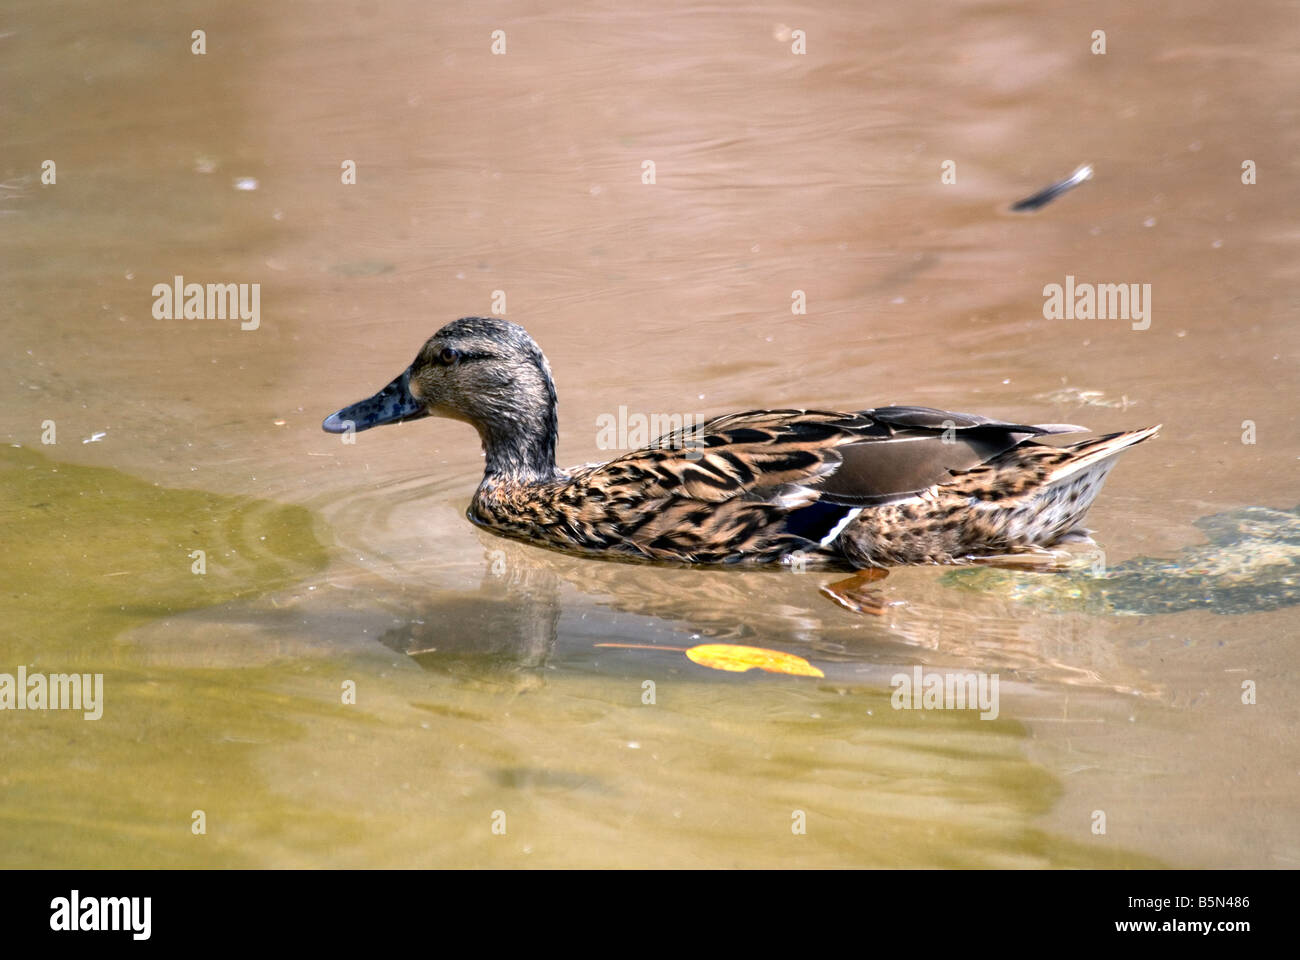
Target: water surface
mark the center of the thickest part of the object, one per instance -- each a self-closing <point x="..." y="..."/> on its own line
<point x="481" y="688"/>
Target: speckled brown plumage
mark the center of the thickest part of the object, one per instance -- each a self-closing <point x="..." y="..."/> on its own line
<point x="891" y="485"/>
<point x="1030" y="497"/>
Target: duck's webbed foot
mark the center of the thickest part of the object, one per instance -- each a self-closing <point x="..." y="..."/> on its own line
<point x="855" y="593"/>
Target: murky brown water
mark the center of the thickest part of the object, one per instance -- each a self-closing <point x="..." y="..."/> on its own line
<point x="480" y="687"/>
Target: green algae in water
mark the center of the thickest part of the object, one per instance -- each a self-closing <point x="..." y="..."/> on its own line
<point x="90" y="552"/>
<point x="1251" y="565"/>
<point x="287" y="779"/>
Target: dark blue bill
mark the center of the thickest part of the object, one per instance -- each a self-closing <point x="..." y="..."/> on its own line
<point x="393" y="404"/>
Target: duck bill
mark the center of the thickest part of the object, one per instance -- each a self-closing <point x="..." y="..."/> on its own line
<point x="393" y="404"/>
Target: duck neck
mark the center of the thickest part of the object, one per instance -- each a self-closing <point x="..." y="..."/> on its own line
<point x="520" y="450"/>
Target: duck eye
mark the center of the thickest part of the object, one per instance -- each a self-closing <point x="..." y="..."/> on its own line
<point x="449" y="355"/>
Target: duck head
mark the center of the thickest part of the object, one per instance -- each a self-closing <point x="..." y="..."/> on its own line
<point x="487" y="372"/>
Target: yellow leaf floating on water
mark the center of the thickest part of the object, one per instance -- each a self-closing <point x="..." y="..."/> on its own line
<point x="738" y="659"/>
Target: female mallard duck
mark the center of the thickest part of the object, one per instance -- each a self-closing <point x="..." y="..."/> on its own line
<point x="894" y="485"/>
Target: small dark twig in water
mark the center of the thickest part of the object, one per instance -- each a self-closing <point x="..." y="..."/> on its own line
<point x="1045" y="196"/>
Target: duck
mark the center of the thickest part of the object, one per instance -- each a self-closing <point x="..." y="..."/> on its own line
<point x="866" y="489"/>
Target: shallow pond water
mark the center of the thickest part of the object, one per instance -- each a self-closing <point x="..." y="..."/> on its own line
<point x="501" y="685"/>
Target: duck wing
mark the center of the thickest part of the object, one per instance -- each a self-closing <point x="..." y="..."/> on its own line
<point x="919" y="447"/>
<point x="861" y="458"/>
<point x="792" y="475"/>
